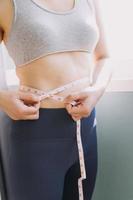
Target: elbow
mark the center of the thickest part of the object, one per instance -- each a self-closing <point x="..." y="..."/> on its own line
<point x="102" y="56"/>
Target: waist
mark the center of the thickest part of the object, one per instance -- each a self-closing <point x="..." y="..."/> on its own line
<point x="53" y="98"/>
<point x="55" y="70"/>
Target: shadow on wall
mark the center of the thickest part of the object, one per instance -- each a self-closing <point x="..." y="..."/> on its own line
<point x="115" y="146"/>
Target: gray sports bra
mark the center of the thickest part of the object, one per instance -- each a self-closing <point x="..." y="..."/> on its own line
<point x="37" y="31"/>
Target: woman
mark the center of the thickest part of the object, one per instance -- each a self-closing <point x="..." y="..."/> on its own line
<point x="53" y="45"/>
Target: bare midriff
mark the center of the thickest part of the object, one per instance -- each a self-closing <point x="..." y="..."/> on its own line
<point x="55" y="70"/>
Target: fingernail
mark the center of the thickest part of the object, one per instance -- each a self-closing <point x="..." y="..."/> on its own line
<point x="73" y="103"/>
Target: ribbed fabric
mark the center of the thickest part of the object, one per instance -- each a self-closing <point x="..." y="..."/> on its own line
<point x="37" y="31"/>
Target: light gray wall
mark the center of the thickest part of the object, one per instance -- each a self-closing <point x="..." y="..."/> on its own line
<point x="115" y="146"/>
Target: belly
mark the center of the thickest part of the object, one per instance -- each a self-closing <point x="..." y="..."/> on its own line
<point x="55" y="70"/>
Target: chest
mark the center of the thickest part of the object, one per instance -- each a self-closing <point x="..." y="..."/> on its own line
<point x="56" y="5"/>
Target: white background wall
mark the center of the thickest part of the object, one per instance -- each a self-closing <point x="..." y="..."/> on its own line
<point x="117" y="17"/>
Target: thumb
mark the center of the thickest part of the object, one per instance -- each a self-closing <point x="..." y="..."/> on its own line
<point x="76" y="97"/>
<point x="29" y="97"/>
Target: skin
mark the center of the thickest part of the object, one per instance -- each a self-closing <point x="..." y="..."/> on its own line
<point x="55" y="70"/>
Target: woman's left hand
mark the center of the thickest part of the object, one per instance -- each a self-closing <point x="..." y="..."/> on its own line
<point x="85" y="102"/>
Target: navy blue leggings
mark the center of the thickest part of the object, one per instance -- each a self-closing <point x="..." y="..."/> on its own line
<point x="39" y="158"/>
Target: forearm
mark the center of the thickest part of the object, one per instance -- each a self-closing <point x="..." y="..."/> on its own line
<point x="1" y="98"/>
<point x="102" y="73"/>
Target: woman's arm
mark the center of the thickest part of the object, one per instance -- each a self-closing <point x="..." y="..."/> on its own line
<point x="0" y="99"/>
<point x="14" y="103"/>
<point x="100" y="78"/>
<point x="103" y="70"/>
<point x="0" y="34"/>
<point x="1" y="37"/>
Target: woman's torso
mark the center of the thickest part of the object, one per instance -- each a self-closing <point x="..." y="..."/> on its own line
<point x="51" y="71"/>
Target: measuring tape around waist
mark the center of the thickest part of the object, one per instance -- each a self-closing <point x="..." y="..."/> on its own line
<point x="52" y="94"/>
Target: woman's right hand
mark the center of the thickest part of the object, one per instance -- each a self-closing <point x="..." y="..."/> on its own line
<point x="20" y="105"/>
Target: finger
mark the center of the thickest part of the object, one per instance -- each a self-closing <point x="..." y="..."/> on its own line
<point x="74" y="109"/>
<point x="29" y="97"/>
<point x="31" y="117"/>
<point x="78" y="97"/>
<point x="68" y="107"/>
<point x="27" y="110"/>
<point x="71" y="98"/>
<point x="37" y="105"/>
<point x="76" y="118"/>
<point x="86" y="110"/>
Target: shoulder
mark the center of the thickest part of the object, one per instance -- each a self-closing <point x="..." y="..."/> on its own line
<point x="2" y="3"/>
<point x="5" y="14"/>
<point x="3" y="6"/>
<point x="5" y="10"/>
